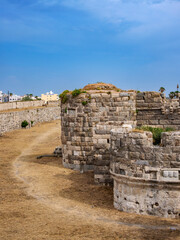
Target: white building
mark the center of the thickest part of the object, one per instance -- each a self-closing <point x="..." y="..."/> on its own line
<point x="3" y="97"/>
<point x="15" y="98"/>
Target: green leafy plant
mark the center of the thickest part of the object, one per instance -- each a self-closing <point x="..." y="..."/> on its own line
<point x="24" y="124"/>
<point x="156" y="132"/>
<point x="76" y="92"/>
<point x="32" y="123"/>
<point x="63" y="96"/>
<point x="176" y="93"/>
<point x="65" y="110"/>
<point x="162" y="89"/>
<point x="84" y="103"/>
<point x="172" y="95"/>
<point x="27" y="98"/>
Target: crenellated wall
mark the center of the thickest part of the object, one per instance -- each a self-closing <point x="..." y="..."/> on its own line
<point x="146" y="177"/>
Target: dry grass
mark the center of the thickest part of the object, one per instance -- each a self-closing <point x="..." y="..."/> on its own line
<point x="40" y="199"/>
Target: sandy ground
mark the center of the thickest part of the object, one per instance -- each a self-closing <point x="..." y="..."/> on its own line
<point x="39" y="199"/>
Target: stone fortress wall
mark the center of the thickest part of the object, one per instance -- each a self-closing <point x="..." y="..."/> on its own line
<point x="21" y="104"/>
<point x="91" y="141"/>
<point x="12" y="120"/>
<point x="27" y="104"/>
<point x="154" y="109"/>
<point x="146" y="177"/>
<point x="86" y="129"/>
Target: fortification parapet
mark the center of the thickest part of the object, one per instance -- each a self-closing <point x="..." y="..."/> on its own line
<point x="146" y="177"/>
<point x="155" y="110"/>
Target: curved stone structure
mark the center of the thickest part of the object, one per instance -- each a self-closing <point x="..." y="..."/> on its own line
<point x="146" y="177"/>
<point x="87" y="120"/>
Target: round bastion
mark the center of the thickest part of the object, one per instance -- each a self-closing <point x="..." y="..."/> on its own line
<point x="99" y="134"/>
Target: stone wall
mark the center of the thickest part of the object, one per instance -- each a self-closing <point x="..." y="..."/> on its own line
<point x="146" y="177"/>
<point x="19" y="105"/>
<point x="155" y="110"/>
<point x="12" y="120"/>
<point x="86" y="124"/>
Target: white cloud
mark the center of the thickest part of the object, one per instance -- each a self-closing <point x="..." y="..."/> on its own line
<point x="149" y="15"/>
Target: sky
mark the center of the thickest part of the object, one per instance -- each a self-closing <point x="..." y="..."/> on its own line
<point x="66" y="44"/>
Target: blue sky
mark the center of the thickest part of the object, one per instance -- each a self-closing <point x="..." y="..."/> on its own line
<point x="66" y="44"/>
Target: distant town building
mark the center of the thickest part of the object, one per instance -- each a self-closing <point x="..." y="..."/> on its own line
<point x="14" y="98"/>
<point x="49" y="96"/>
<point x="3" y="97"/>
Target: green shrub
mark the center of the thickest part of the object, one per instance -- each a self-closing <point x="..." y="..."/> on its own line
<point x="24" y="124"/>
<point x="84" y="103"/>
<point x="156" y="132"/>
<point x="76" y="92"/>
<point x="65" y="110"/>
<point x="32" y="123"/>
<point x="63" y="96"/>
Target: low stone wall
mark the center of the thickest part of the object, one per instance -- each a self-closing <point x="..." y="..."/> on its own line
<point x="12" y="120"/>
<point x="146" y="177"/>
<point x="154" y="109"/>
<point x="19" y="105"/>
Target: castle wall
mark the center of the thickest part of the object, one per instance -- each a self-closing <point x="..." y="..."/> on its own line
<point x="146" y="177"/>
<point x="21" y="104"/>
<point x="86" y="129"/>
<point x="10" y="121"/>
<point x="155" y="110"/>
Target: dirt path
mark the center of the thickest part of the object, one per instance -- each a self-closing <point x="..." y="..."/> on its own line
<point x="40" y="199"/>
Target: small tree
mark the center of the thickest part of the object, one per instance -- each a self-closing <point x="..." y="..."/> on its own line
<point x="172" y="95"/>
<point x="162" y="89"/>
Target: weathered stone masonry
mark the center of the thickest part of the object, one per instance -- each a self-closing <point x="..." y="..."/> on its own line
<point x="142" y="173"/>
<point x="10" y="121"/>
<point x="155" y="110"/>
<point x="86" y="129"/>
<point x="146" y="177"/>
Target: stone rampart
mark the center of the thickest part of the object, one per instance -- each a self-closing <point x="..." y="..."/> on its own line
<point x="86" y="124"/>
<point x="19" y="105"/>
<point x="12" y="120"/>
<point x="146" y="177"/>
<point x="154" y="109"/>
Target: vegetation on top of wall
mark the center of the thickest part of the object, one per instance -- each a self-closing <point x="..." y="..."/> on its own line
<point x="24" y="124"/>
<point x="76" y="92"/>
<point x="84" y="103"/>
<point x="162" y="89"/>
<point x="156" y="132"/>
<point x="63" y="96"/>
